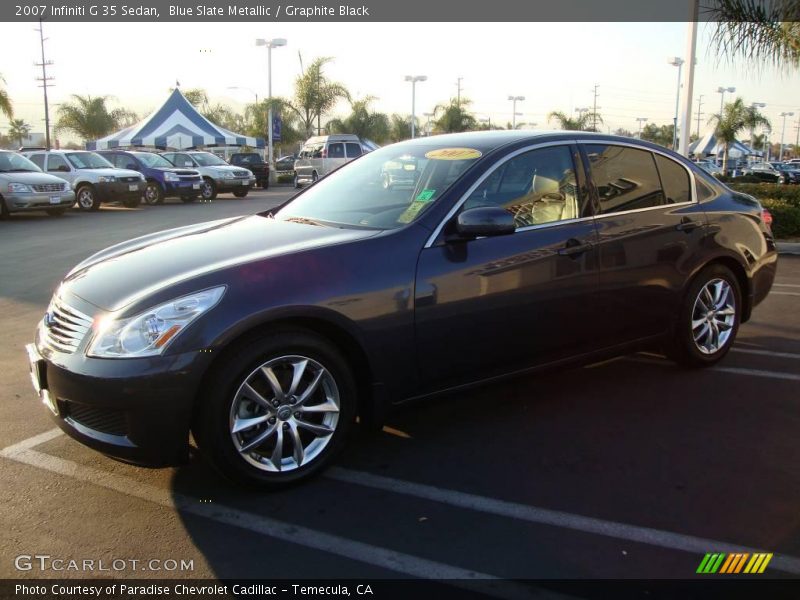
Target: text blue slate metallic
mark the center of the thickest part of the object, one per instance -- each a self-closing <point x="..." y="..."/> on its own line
<point x="498" y="253"/>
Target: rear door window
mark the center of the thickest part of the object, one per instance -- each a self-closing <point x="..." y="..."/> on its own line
<point x="626" y="178"/>
<point x="56" y="162"/>
<point x="674" y="180"/>
<point x="336" y="150"/>
<point x="353" y="150"/>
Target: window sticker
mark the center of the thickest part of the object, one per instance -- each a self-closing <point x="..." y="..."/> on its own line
<point x="416" y="207"/>
<point x="454" y="154"/>
<point x="425" y="195"/>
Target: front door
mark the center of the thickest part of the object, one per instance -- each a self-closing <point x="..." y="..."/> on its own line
<point x="499" y="304"/>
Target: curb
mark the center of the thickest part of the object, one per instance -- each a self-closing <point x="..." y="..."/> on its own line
<point x="788" y="247"/>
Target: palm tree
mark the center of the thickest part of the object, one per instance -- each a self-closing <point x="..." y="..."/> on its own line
<point x="735" y="118"/>
<point x="453" y="117"/>
<point x="89" y="117"/>
<point x="315" y="95"/>
<point x="362" y="122"/>
<point x="256" y="120"/>
<point x="400" y="127"/>
<point x="5" y="102"/>
<point x="579" y="123"/>
<point x="757" y="31"/>
<point x="19" y="130"/>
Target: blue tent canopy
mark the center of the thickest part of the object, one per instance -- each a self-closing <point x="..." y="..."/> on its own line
<point x="177" y="126"/>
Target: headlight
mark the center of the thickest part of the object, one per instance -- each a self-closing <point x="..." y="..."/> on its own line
<point x="171" y="177"/>
<point x="148" y="333"/>
<point x="66" y="187"/>
<point x="17" y="188"/>
<point x="106" y="179"/>
<point x="227" y="175"/>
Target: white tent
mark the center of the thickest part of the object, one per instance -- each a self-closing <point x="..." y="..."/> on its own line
<point x="708" y="146"/>
<point x="176" y="126"/>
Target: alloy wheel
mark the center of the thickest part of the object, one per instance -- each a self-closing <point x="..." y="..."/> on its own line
<point x="713" y="316"/>
<point x="86" y="198"/>
<point x="284" y="413"/>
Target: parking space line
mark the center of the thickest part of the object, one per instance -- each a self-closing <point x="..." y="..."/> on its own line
<point x="398" y="562"/>
<point x="544" y="516"/>
<point x="792" y="285"/>
<point x="757" y="373"/>
<point x="766" y="353"/>
<point x="774" y="293"/>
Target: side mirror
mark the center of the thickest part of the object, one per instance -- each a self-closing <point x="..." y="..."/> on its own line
<point x="485" y="221"/>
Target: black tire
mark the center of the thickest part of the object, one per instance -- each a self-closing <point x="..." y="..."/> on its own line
<point x="86" y="198"/>
<point x="264" y="183"/>
<point x="153" y="194"/>
<point x="56" y="212"/>
<point x="314" y="178"/>
<point x="132" y="202"/>
<point x="296" y="182"/>
<point x="208" y="189"/>
<point x="241" y="193"/>
<point x="212" y="423"/>
<point x="188" y="199"/>
<point x="4" y="214"/>
<point x="683" y="348"/>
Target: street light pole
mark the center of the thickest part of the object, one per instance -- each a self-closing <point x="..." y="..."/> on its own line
<point x="580" y="112"/>
<point x="270" y="44"/>
<point x="721" y="91"/>
<point x="676" y="61"/>
<point x="755" y="105"/>
<point x="414" y="79"/>
<point x="641" y="120"/>
<point x="514" y="100"/>
<point x="783" y="130"/>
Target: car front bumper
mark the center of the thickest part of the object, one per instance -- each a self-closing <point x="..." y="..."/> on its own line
<point x="137" y="410"/>
<point x="230" y="185"/>
<point x="39" y="200"/>
<point x="183" y="188"/>
<point x="119" y="190"/>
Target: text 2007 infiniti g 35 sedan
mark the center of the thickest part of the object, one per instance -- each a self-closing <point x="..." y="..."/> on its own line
<point x="503" y="252"/>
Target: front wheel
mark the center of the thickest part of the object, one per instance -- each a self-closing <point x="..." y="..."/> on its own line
<point x="153" y="194"/>
<point x="296" y="182"/>
<point x="277" y="410"/>
<point x="709" y="318"/>
<point x="241" y="193"/>
<point x="56" y="212"/>
<point x="87" y="198"/>
<point x="208" y="190"/>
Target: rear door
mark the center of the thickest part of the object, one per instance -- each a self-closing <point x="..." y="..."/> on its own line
<point x="650" y="230"/>
<point x="334" y="157"/>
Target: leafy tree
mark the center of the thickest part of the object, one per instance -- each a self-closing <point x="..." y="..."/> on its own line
<point x="400" y="127"/>
<point x="735" y="118"/>
<point x="315" y="95"/>
<point x="766" y="32"/>
<point x="89" y="117"/>
<point x="19" y="130"/>
<point x="624" y="132"/>
<point x="362" y="122"/>
<point x="453" y="117"/>
<point x="658" y="134"/>
<point x="579" y="123"/>
<point x="256" y="121"/>
<point x="6" y="107"/>
<point x="759" y="141"/>
<point x="197" y="97"/>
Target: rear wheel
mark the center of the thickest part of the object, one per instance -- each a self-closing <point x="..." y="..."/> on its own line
<point x="153" y="194"/>
<point x="314" y="177"/>
<point x="86" y="198"/>
<point x="709" y="318"/>
<point x="241" y="193"/>
<point x="188" y="199"/>
<point x="3" y="209"/>
<point x="296" y="181"/>
<point x="264" y="183"/>
<point x="132" y="202"/>
<point x="277" y="410"/>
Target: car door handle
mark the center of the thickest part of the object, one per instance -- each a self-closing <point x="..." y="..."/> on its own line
<point x="687" y="225"/>
<point x="574" y="248"/>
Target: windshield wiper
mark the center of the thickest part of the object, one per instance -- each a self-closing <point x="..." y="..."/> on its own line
<point x="304" y="221"/>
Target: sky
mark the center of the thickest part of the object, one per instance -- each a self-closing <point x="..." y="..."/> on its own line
<point x="554" y="65"/>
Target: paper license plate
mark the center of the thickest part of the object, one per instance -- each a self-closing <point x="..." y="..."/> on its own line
<point x="196" y="186"/>
<point x="55" y="199"/>
<point x="133" y="187"/>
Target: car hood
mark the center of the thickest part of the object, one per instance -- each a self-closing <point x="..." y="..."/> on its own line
<point x="30" y="177"/>
<point x="117" y="276"/>
<point x="114" y="171"/>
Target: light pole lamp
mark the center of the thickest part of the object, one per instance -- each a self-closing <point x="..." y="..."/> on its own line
<point x="721" y="90"/>
<point x="270" y="44"/>
<point x="676" y="61"/>
<point x="414" y="79"/>
<point x="640" y="120"/>
<point x="783" y="130"/>
<point x="514" y="113"/>
<point x="246" y="89"/>
<point x="428" y="122"/>
<point x="755" y="106"/>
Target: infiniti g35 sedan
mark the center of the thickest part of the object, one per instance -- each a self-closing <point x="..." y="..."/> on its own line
<point x="265" y="336"/>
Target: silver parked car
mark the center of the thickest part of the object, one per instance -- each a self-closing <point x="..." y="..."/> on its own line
<point x="92" y="177"/>
<point x="218" y="176"/>
<point x="323" y="153"/>
<point x="24" y="187"/>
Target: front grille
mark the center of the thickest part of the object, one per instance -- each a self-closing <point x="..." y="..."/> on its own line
<point x="103" y="420"/>
<point x="189" y="177"/>
<point x="241" y="174"/>
<point x="48" y="187"/>
<point x="65" y="327"/>
<point x="128" y="179"/>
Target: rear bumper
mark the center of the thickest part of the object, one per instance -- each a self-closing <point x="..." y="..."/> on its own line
<point x="137" y="410"/>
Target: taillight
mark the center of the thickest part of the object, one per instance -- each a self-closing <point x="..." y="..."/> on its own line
<point x="766" y="216"/>
<point x="324" y="153"/>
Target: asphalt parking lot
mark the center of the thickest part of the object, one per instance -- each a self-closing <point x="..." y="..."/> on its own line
<point x="631" y="468"/>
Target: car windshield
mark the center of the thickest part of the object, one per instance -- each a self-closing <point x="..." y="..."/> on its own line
<point x="152" y="160"/>
<point x="385" y="189"/>
<point x="11" y="162"/>
<point x="88" y="160"/>
<point x="206" y="159"/>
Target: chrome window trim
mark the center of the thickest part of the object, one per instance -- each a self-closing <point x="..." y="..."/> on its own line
<point x="693" y="188"/>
